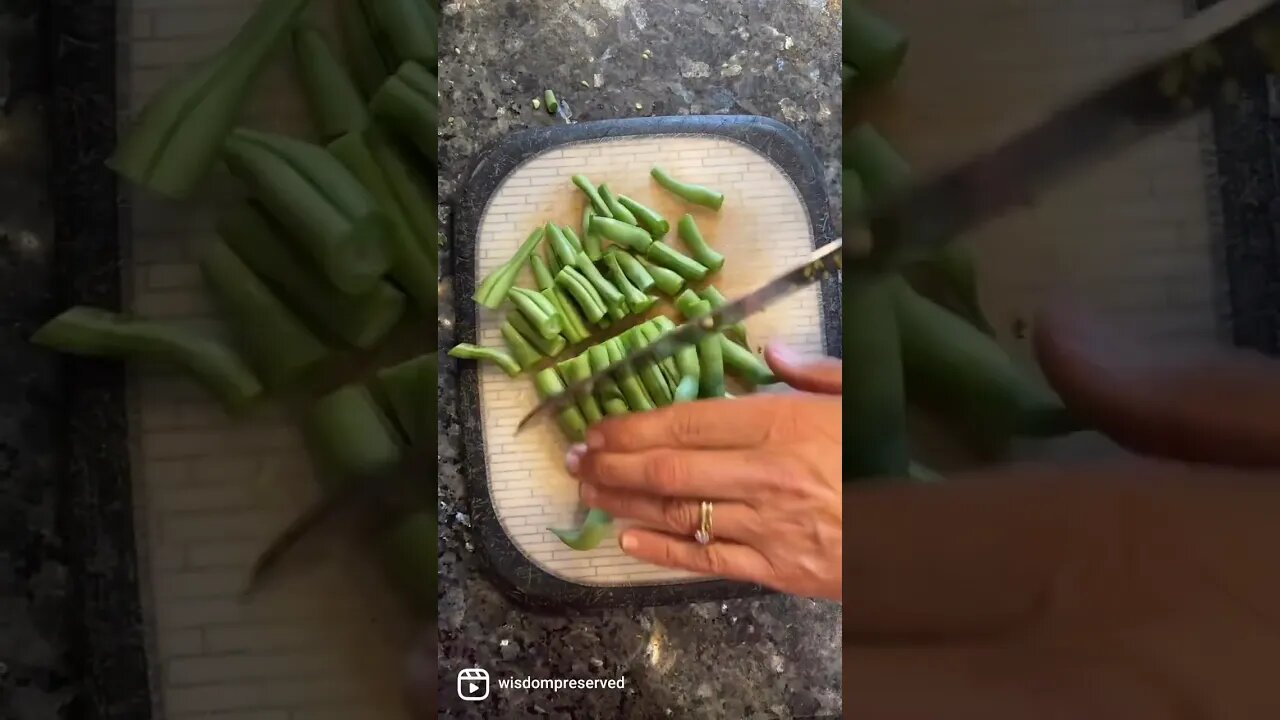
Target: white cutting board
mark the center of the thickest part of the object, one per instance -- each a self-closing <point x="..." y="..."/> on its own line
<point x="762" y="229"/>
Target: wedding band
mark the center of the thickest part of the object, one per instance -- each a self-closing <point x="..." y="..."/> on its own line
<point x="703" y="533"/>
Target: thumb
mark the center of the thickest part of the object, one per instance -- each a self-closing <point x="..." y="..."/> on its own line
<point x="810" y="374"/>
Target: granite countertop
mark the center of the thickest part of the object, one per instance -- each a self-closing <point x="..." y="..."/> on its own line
<point x="770" y="657"/>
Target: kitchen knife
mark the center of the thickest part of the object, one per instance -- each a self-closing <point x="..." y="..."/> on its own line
<point x="1216" y="50"/>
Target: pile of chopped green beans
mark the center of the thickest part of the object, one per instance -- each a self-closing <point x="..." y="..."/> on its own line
<point x="606" y="281"/>
<point x="334" y="246"/>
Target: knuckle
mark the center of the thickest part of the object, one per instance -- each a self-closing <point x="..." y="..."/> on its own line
<point x="666" y="472"/>
<point x="679" y="515"/>
<point x="684" y="427"/>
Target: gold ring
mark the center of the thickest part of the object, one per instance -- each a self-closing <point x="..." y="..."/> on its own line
<point x="703" y="533"/>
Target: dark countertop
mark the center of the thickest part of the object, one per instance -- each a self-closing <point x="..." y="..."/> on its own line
<point x="763" y="658"/>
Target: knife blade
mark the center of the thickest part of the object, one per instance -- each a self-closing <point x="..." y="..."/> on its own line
<point x="1215" y="50"/>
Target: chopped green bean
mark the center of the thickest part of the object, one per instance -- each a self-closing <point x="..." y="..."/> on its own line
<point x="668" y="257"/>
<point x="548" y="384"/>
<point x="702" y="252"/>
<point x="553" y="105"/>
<point x="550" y="347"/>
<point x="350" y="437"/>
<point x="710" y="356"/>
<point x="614" y="300"/>
<point x="560" y="245"/>
<point x="686" y="390"/>
<point x="590" y="240"/>
<point x="620" y="233"/>
<point x="574" y="241"/>
<point x="572" y="323"/>
<point x="649" y="219"/>
<point x="737" y="331"/>
<point x="597" y="203"/>
<point x="577" y="369"/>
<point x="467" y="351"/>
<point x="628" y="382"/>
<point x="541" y="275"/>
<point x="638" y="301"/>
<point x="495" y="288"/>
<point x="336" y="104"/>
<point x="634" y="269"/>
<point x="524" y="353"/>
<point x="744" y="364"/>
<point x="593" y="306"/>
<point x="619" y="211"/>
<point x="534" y="307"/>
<point x="668" y="281"/>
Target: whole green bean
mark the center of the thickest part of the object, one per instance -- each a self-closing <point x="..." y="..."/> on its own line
<point x="590" y="534"/>
<point x="668" y="257"/>
<point x="560" y="245"/>
<point x="573" y="325"/>
<point x="649" y="219"/>
<point x="616" y="208"/>
<point x="541" y="275"/>
<point x="597" y="203"/>
<point x="686" y="390"/>
<point x="548" y="384"/>
<point x="737" y="331"/>
<point x="547" y="325"/>
<point x="636" y="300"/>
<point x="92" y="332"/>
<point x="702" y="252"/>
<point x="744" y="364"/>
<point x="614" y="300"/>
<point x="495" y="288"/>
<point x="710" y="357"/>
<point x="620" y="233"/>
<point x="696" y="194"/>
<point x="524" y="353"/>
<point x="634" y="269"/>
<point x="582" y="290"/>
<point x="574" y="241"/>
<point x="590" y="240"/>
<point x="549" y="347"/>
<point x="637" y="398"/>
<point x="574" y="370"/>
<point x="467" y="351"/>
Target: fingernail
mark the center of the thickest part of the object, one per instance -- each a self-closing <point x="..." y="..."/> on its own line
<point x="595" y="439"/>
<point x="588" y="493"/>
<point x="627" y="542"/>
<point x="573" y="458"/>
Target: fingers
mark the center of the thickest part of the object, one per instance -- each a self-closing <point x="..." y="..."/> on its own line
<point x="810" y="374"/>
<point x="1220" y="407"/>
<point x="688" y="474"/>
<point x="708" y="425"/>
<point x="678" y="516"/>
<point x="720" y="558"/>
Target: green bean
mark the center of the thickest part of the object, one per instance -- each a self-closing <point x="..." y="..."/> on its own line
<point x="92" y="332"/>
<point x="593" y="306"/>
<point x="637" y="398"/>
<point x="408" y="391"/>
<point x="336" y="104"/>
<point x="573" y="239"/>
<point x="590" y="240"/>
<point x="467" y="351"/>
<point x="409" y="26"/>
<point x="279" y="346"/>
<point x="702" y="252"/>
<point x="686" y="302"/>
<point x="495" y="288"/>
<point x="687" y="362"/>
<point x="668" y="257"/>
<point x="549" y="347"/>
<point x="744" y="364"/>
<point x="410" y="113"/>
<point x="648" y="219"/>
<point x="560" y="245"/>
<point x="350" y="437"/>
<point x="710" y="356"/>
<point x="876" y="441"/>
<point x="668" y="281"/>
<point x="590" y="534"/>
<point x="652" y="331"/>
<point x="620" y="233"/>
<point x="950" y="278"/>
<point x="548" y="384"/>
<point x="572" y="324"/>
<point x="577" y="369"/>
<point x="541" y="275"/>
<point x="597" y="203"/>
<point x="614" y="300"/>
<point x="616" y="208"/>
<point x="371" y="63"/>
<point x="872" y="45"/>
<point x="408" y="552"/>
<point x="413" y="192"/>
<point x="635" y="271"/>
<point x="686" y="390"/>
<point x="262" y="244"/>
<point x="612" y="400"/>
<point x="696" y="194"/>
<point x="524" y="353"/>
<point x="636" y="300"/>
<point x="535" y="308"/>
<point x="553" y="105"/>
<point x="651" y="375"/>
<point x="553" y="262"/>
<point x="736" y="331"/>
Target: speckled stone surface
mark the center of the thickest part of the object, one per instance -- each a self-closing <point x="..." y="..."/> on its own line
<point x="762" y="658"/>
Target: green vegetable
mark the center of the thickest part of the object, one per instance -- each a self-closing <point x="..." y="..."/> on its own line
<point x="413" y="192"/>
<point x="710" y="355"/>
<point x="737" y="331"/>
<point x="336" y="104"/>
<point x="553" y="105"/>
<point x="181" y="131"/>
<point x="553" y="261"/>
<point x="279" y="346"/>
<point x="360" y="320"/>
<point x="875" y="442"/>
<point x="872" y="45"/>
<point x="572" y="324"/>
<point x="408" y="111"/>
<point x="408" y="392"/>
<point x="620" y="233"/>
<point x="951" y="366"/>
<point x="572" y="237"/>
<point x="549" y="347"/>
<point x="541" y="275"/>
<point x="408" y="552"/>
<point x="560" y="245"/>
<point x="616" y="208"/>
<point x="509" y="365"/>
<point x="686" y="302"/>
<point x="411" y="266"/>
<point x="592" y="306"/>
<point x="614" y="300"/>
<point x="744" y="364"/>
<point x="635" y="271"/>
<point x="597" y="203"/>
<point x="648" y="219"/>
<point x="696" y="194"/>
<point x="495" y="288"/>
<point x="591" y="533"/>
<point x="541" y="314"/>
<point x="577" y="369"/>
<point x="409" y="26"/>
<point x="349" y="437"/>
<point x="590" y="241"/>
<point x="98" y="333"/>
<point x="572" y="423"/>
<point x="686" y="390"/>
<point x="668" y="257"/>
<point x="651" y="376"/>
<point x="702" y="252"/>
<point x="523" y="352"/>
<point x="335" y="220"/>
<point x="950" y="278"/>
<point x="653" y="330"/>
<point x="611" y="398"/>
<point x="668" y="281"/>
<point x="371" y="62"/>
<point x="636" y="300"/>
<point x="628" y="382"/>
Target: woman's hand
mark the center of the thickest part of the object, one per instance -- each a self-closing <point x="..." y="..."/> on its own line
<point x="770" y="463"/>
